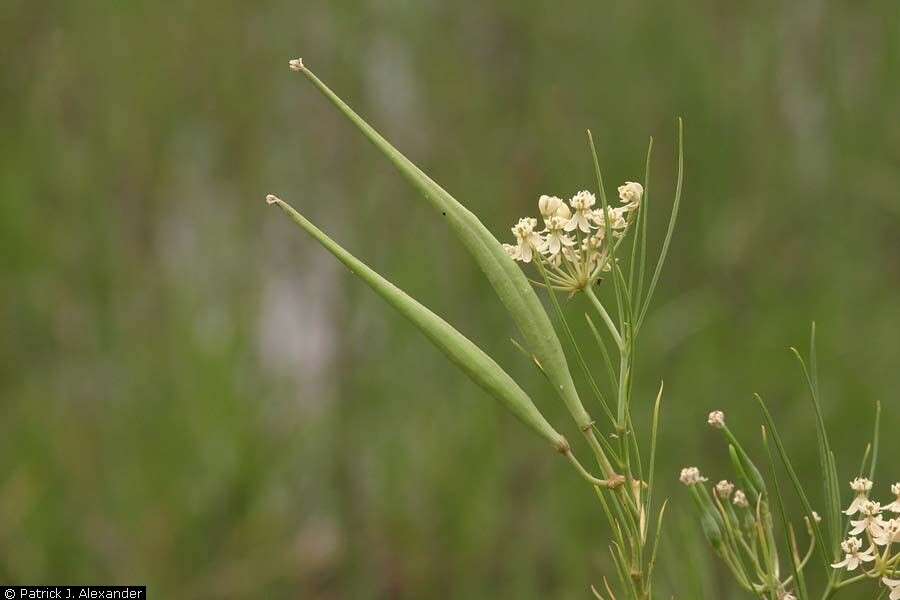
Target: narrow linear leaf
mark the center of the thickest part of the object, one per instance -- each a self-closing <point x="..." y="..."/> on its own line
<point x="654" y="433"/>
<point x="480" y="367"/>
<point x="782" y="511"/>
<point x="642" y="229"/>
<point x="656" y="539"/>
<point x="792" y="473"/>
<point x="865" y="460"/>
<point x="875" y="440"/>
<point x="826" y="455"/>
<point x="613" y="263"/>
<point x="574" y="343"/>
<point x="741" y="474"/>
<point x="654" y="279"/>
<point x="607" y="360"/>
<point x="749" y="469"/>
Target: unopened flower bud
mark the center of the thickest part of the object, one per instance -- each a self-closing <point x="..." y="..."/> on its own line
<point x="548" y="205"/>
<point x="716" y="419"/>
<point x="691" y="476"/>
<point x="631" y="193"/>
<point x="724" y="489"/>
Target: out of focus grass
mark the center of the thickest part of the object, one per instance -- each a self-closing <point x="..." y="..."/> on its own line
<point x="194" y="397"/>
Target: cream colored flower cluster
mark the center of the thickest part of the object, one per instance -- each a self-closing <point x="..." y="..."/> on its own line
<point x="572" y="246"/>
<point x="880" y="532"/>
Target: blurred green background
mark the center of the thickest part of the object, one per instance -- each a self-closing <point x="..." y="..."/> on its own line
<point x="196" y="397"/>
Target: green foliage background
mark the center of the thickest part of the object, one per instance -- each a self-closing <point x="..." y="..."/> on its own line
<point x="196" y="397"/>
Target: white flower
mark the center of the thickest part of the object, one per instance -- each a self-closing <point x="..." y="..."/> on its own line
<point x="691" y="476"/>
<point x="582" y="203"/>
<point x="740" y="499"/>
<point x="556" y="238"/>
<point x="568" y="253"/>
<point x="548" y="205"/>
<point x="895" y="505"/>
<point x="815" y="517"/>
<point x="894" y="586"/>
<point x="786" y="596"/>
<point x="852" y="555"/>
<point x="616" y="217"/>
<point x="862" y="487"/>
<point x="871" y="519"/>
<point x="512" y="250"/>
<point x="528" y="240"/>
<point x="592" y="243"/>
<point x="716" y="419"/>
<point x="724" y="489"/>
<point x="889" y="534"/>
<point x="296" y="64"/>
<point x="630" y="193"/>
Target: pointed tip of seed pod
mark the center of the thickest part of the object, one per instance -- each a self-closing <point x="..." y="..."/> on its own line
<point x="296" y="64"/>
<point x="272" y="199"/>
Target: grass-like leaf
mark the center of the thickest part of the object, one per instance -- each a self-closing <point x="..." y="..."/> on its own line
<point x="656" y="540"/>
<point x="574" y="342"/>
<point x="604" y="204"/>
<point x="673" y="217"/>
<point x="826" y="455"/>
<point x="741" y="474"/>
<point x="644" y="215"/>
<point x="875" y="440"/>
<point x="782" y="510"/>
<point x="792" y="473"/>
<point x="654" y="433"/>
<point x="607" y="360"/>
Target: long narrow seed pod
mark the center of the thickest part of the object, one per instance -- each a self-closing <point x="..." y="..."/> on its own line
<point x="480" y="367"/>
<point x="507" y="279"/>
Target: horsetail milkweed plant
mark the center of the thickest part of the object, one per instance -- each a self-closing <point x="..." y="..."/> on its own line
<point x="571" y="249"/>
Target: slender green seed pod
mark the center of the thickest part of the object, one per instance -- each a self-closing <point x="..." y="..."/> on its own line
<point x="480" y="367"/>
<point x="507" y="279"/>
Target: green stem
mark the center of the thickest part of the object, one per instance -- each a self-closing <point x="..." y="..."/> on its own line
<point x="604" y="315"/>
<point x="603" y="483"/>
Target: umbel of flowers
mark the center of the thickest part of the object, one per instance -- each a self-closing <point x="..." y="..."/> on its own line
<point x="573" y="246"/>
<point x="877" y="529"/>
<point x="741" y="531"/>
